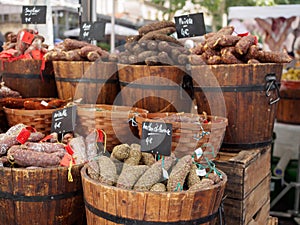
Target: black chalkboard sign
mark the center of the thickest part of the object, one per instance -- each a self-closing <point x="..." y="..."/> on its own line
<point x="34" y="14"/>
<point x="64" y="120"/>
<point x="156" y="138"/>
<point x="85" y="29"/>
<point x="92" y="31"/>
<point x="98" y="31"/>
<point x="190" y="25"/>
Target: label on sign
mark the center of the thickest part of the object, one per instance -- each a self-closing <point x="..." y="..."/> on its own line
<point x="156" y="138"/>
<point x="34" y="14"/>
<point x="64" y="120"/>
<point x="190" y="25"/>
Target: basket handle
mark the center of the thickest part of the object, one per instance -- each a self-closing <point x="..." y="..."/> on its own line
<point x="271" y="84"/>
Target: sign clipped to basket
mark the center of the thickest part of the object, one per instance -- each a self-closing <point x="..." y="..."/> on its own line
<point x="64" y="120"/>
<point x="156" y="138"/>
<point x="190" y="25"/>
<point x="34" y="14"/>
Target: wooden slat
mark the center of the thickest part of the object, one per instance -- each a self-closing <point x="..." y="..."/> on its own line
<point x="244" y="170"/>
<point x="243" y="211"/>
<point x="262" y="216"/>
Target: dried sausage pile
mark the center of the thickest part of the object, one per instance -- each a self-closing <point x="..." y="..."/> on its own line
<point x="154" y="46"/>
<point x="129" y="168"/>
<point x="223" y="47"/>
<point x="27" y="42"/>
<point x="33" y="103"/>
<point x="75" y="50"/>
<point x="23" y="146"/>
<point x="32" y="153"/>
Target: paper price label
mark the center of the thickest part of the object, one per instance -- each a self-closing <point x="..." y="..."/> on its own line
<point x="201" y="172"/>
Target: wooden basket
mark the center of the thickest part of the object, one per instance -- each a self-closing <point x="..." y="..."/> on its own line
<point x="41" y="120"/>
<point x="26" y="77"/>
<point x="154" y="88"/>
<point x="94" y="82"/>
<point x="187" y="136"/>
<point x="41" y="196"/>
<point x="113" y="120"/>
<point x="245" y="94"/>
<point x="119" y="206"/>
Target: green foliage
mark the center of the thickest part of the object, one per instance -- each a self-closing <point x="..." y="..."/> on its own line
<point x="104" y="46"/>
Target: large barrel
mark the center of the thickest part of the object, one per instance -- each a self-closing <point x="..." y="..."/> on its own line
<point x="246" y="94"/>
<point x="41" y="196"/>
<point x="120" y="206"/>
<point x="155" y="88"/>
<point x="94" y="82"/>
<point x="27" y="77"/>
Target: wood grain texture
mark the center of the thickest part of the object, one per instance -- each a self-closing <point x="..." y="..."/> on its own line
<point x="149" y="206"/>
<point x="250" y="116"/>
<point x="26" y="77"/>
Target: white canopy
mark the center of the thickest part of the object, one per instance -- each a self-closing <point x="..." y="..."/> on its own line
<point x="119" y="30"/>
<point x="248" y="12"/>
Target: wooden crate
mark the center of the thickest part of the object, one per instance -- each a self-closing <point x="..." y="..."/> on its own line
<point x="248" y="186"/>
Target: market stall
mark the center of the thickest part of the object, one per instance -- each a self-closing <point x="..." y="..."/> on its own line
<point x="150" y="151"/>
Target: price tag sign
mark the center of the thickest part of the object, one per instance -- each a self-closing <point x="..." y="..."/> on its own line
<point x="156" y="138"/>
<point x="85" y="29"/>
<point x="98" y="31"/>
<point x="191" y="25"/>
<point x="34" y="14"/>
<point x="64" y="120"/>
<point x="92" y="31"/>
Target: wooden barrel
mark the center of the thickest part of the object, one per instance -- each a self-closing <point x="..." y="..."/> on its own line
<point x="119" y="206"/>
<point x="41" y="196"/>
<point x="245" y="94"/>
<point x="289" y="105"/>
<point x="155" y="88"/>
<point x="94" y="82"/>
<point x="26" y="77"/>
